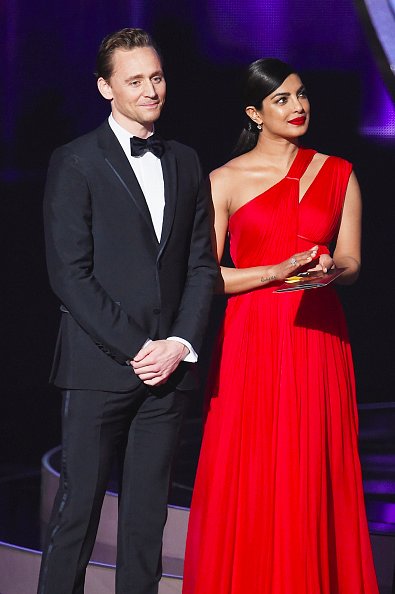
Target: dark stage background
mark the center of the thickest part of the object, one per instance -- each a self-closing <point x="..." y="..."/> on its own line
<point x="49" y="96"/>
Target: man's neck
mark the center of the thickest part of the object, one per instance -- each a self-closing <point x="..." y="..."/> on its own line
<point x="134" y="128"/>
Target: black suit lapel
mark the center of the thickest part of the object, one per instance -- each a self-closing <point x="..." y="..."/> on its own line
<point x="120" y="167"/>
<point x="169" y="168"/>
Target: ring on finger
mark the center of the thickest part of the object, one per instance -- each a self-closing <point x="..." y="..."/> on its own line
<point x="293" y="261"/>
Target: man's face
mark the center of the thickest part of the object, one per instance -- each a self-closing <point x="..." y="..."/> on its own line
<point x="136" y="89"/>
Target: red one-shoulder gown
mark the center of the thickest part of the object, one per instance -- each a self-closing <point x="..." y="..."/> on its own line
<point x="278" y="505"/>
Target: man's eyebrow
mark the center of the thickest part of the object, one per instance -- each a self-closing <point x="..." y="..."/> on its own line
<point x="138" y="75"/>
<point x="133" y="76"/>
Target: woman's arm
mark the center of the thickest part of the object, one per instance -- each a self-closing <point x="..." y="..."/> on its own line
<point x="237" y="280"/>
<point x="347" y="252"/>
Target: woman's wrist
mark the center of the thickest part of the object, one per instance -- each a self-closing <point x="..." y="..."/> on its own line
<point x="268" y="275"/>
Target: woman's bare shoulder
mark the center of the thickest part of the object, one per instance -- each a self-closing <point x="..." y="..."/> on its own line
<point x="225" y="180"/>
<point x="229" y="169"/>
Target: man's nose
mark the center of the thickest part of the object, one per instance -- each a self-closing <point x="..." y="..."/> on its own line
<point x="149" y="89"/>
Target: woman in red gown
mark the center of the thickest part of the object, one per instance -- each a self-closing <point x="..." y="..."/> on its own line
<point x="278" y="505"/>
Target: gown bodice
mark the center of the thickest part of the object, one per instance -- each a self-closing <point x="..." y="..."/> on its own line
<point x="275" y="224"/>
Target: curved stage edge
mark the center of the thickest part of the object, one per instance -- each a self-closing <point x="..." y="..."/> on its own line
<point x="19" y="565"/>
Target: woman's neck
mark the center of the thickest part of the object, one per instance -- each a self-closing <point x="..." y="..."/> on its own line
<point x="277" y="150"/>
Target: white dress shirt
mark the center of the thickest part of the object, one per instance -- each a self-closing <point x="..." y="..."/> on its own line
<point x="148" y="171"/>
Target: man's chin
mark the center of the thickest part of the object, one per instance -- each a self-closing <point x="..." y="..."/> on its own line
<point x="149" y="121"/>
<point x="151" y="113"/>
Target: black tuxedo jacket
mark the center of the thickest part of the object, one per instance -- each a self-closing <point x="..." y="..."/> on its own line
<point x="118" y="285"/>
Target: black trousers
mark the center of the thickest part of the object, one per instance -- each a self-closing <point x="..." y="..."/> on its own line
<point x="142" y="427"/>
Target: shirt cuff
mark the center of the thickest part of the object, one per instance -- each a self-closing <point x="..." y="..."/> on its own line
<point x="192" y="356"/>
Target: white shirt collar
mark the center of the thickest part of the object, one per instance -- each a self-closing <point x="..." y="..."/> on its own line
<point x="121" y="133"/>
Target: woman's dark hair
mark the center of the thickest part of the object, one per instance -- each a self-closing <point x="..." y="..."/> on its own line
<point x="263" y="77"/>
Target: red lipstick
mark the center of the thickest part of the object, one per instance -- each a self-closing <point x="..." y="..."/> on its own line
<point x="298" y="121"/>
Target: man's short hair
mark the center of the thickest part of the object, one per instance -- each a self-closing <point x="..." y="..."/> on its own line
<point x="125" y="39"/>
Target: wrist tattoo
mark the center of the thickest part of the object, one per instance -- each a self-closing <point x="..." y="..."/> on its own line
<point x="267" y="279"/>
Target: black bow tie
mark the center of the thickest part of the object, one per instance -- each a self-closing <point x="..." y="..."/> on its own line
<point x="154" y="143"/>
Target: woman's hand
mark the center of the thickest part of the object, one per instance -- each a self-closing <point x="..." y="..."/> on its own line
<point x="325" y="263"/>
<point x="292" y="264"/>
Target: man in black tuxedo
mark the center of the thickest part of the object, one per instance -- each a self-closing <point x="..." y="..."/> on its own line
<point x="129" y="256"/>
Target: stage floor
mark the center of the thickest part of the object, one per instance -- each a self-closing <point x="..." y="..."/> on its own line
<point x="20" y="523"/>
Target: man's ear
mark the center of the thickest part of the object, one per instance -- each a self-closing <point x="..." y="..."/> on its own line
<point x="104" y="88"/>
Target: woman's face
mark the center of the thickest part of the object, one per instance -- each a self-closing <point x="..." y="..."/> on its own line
<point x="285" y="112"/>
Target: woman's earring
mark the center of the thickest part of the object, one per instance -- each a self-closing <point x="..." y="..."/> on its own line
<point x="259" y="126"/>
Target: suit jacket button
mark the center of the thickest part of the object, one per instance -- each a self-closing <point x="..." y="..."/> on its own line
<point x="156" y="310"/>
